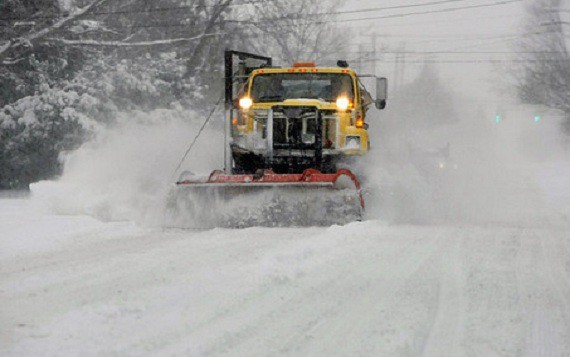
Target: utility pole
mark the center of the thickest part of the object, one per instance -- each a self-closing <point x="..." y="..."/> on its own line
<point x="396" y="70"/>
<point x="360" y="54"/>
<point x="374" y="54"/>
<point x="403" y="69"/>
<point x="371" y="55"/>
<point x="400" y="66"/>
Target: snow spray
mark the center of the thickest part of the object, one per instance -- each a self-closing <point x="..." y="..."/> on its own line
<point x="125" y="172"/>
<point x="465" y="169"/>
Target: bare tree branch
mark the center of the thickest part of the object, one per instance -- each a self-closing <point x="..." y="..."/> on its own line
<point x="544" y="77"/>
<point x="10" y="62"/>
<point x="57" y="25"/>
<point x="294" y="37"/>
<point x="128" y="44"/>
<point x="212" y="21"/>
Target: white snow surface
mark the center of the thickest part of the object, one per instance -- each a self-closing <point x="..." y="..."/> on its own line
<point x="75" y="286"/>
<point x="473" y="261"/>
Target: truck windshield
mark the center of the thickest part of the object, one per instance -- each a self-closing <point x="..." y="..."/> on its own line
<point x="277" y="87"/>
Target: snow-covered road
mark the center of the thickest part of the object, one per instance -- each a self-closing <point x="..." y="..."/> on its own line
<point x="471" y="261"/>
<point x="77" y="286"/>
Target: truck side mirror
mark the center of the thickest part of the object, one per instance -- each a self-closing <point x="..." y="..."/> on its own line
<point x="381" y="92"/>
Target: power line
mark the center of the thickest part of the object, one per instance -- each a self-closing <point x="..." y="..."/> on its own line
<point x="394" y="7"/>
<point x="492" y="41"/>
<point x="253" y="2"/>
<point x="463" y="38"/>
<point x="505" y="2"/>
<point x="285" y="18"/>
<point x="289" y="17"/>
<point x="470" y="61"/>
<point x="465" y="52"/>
<point x="415" y="23"/>
<point x="443" y="52"/>
<point x="556" y="23"/>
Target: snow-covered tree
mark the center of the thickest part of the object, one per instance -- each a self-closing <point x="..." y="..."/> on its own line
<point x="36" y="129"/>
<point x="544" y="75"/>
<point x="68" y="66"/>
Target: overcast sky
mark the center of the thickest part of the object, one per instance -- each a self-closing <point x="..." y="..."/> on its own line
<point x="484" y="29"/>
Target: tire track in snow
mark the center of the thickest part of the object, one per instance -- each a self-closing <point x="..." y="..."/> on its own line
<point x="360" y="293"/>
<point x="560" y="287"/>
<point x="357" y="322"/>
<point x="104" y="274"/>
<point x="311" y="305"/>
<point x="262" y="301"/>
<point x="553" y="255"/>
<point x="447" y="331"/>
<point x="276" y="297"/>
<point x="544" y="329"/>
<point x="492" y="310"/>
<point x="81" y="268"/>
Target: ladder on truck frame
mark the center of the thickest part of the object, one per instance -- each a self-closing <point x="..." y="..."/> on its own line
<point x="232" y="77"/>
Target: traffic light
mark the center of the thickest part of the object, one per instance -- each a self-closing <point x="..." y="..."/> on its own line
<point x="536" y="118"/>
<point x="498" y="119"/>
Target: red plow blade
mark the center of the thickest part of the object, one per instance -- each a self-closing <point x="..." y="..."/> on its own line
<point x="266" y="199"/>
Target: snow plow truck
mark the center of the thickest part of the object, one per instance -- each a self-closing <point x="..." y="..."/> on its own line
<point x="290" y="132"/>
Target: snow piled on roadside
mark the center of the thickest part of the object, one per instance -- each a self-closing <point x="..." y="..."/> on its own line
<point x="126" y="171"/>
<point x="26" y="230"/>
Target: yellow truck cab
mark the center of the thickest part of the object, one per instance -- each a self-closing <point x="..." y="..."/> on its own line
<point x="304" y="116"/>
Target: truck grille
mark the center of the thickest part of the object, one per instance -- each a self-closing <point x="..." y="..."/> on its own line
<point x="294" y="128"/>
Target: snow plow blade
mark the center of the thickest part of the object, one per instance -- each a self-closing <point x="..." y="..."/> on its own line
<point x="265" y="199"/>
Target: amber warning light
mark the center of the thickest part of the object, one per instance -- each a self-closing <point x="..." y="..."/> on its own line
<point x="304" y="64"/>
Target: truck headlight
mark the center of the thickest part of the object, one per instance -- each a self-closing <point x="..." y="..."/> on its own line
<point x="342" y="103"/>
<point x="245" y="103"/>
